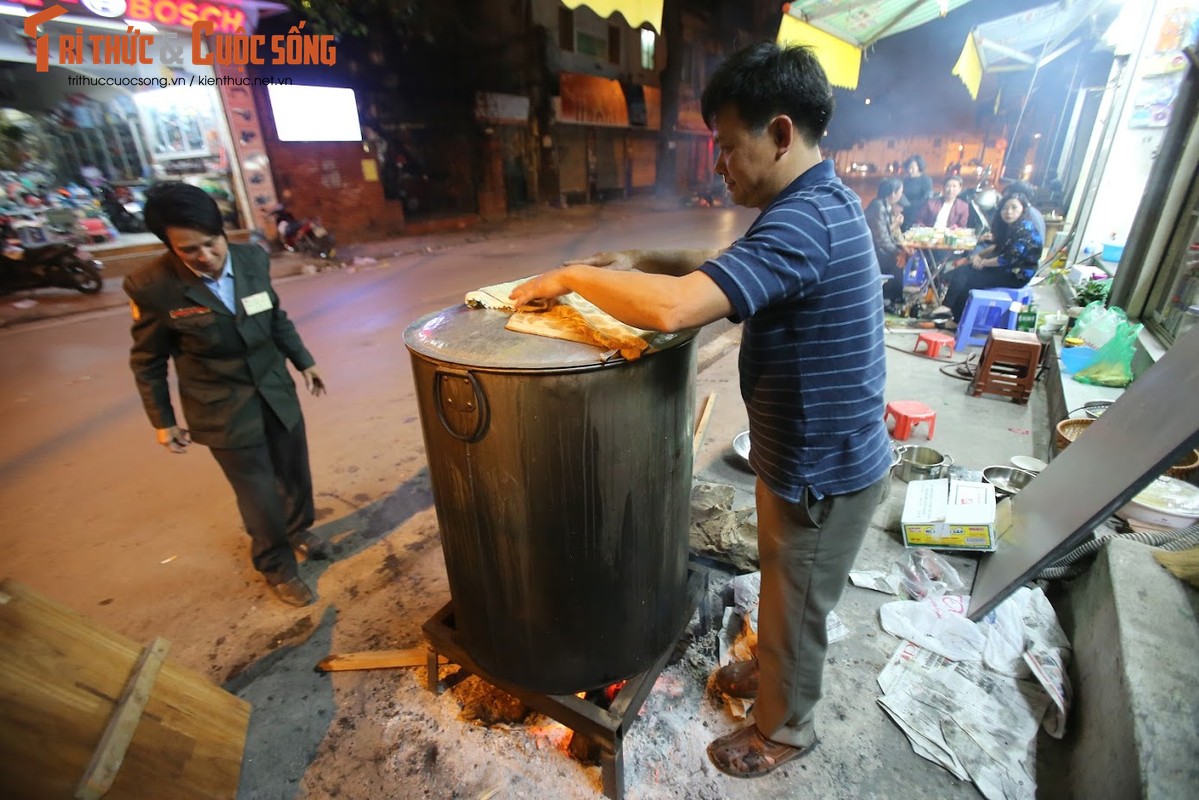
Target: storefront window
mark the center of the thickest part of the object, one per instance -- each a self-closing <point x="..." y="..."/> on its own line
<point x="648" y="41"/>
<point x="1174" y="299"/>
<point x="180" y="122"/>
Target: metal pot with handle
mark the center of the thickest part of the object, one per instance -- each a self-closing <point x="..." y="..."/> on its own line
<point x="919" y="463"/>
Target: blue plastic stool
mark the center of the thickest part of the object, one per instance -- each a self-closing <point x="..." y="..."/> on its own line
<point x="985" y="309"/>
<point x="915" y="270"/>
<point x="1023" y="295"/>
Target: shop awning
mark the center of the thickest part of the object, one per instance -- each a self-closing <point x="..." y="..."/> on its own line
<point x="839" y="30"/>
<point x="1027" y="40"/>
<point x="635" y="12"/>
<point x="591" y="100"/>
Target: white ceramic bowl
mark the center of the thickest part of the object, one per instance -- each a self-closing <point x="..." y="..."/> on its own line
<point x="1166" y="503"/>
<point x="1027" y="463"/>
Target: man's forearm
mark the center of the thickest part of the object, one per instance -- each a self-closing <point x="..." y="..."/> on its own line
<point x="652" y="302"/>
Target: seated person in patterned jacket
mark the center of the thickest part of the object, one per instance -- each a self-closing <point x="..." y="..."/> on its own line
<point x="1009" y="262"/>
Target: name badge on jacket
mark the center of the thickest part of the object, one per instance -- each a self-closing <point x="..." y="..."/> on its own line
<point x="256" y="303"/>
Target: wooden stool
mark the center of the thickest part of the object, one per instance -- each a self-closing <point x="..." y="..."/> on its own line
<point x="934" y="341"/>
<point x="1008" y="365"/>
<point x="908" y="414"/>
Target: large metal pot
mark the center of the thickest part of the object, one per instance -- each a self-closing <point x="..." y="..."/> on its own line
<point x="562" y="488"/>
<point x="918" y="463"/>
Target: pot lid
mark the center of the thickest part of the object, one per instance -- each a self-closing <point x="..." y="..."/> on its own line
<point x="1170" y="496"/>
<point x="476" y="337"/>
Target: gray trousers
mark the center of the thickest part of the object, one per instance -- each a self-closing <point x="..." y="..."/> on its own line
<point x="806" y="550"/>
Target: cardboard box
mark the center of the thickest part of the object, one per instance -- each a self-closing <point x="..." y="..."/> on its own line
<point x="948" y="514"/>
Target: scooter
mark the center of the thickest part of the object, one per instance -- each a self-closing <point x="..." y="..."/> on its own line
<point x="304" y="236"/>
<point x="62" y="265"/>
<point x="122" y="207"/>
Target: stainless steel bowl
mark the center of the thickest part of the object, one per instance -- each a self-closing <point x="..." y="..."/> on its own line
<point x="1007" y="480"/>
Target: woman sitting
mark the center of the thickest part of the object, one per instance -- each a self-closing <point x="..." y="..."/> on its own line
<point x="882" y="217"/>
<point x="948" y="210"/>
<point x="1009" y="262"/>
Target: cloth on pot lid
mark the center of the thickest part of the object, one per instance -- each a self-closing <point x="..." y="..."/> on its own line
<point x="571" y="317"/>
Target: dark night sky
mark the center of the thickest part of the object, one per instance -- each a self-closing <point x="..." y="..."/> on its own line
<point x="908" y="79"/>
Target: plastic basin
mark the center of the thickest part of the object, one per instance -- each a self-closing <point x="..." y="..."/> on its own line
<point x="1076" y="358"/>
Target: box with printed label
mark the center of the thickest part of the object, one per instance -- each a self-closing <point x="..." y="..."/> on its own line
<point x="948" y="514"/>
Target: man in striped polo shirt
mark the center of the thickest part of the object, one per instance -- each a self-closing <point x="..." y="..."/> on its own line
<point x="804" y="280"/>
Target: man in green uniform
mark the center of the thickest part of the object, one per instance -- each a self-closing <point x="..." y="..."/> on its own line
<point x="209" y="306"/>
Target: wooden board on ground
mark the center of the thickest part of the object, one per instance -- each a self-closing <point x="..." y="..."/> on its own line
<point x="377" y="659"/>
<point x="61" y="677"/>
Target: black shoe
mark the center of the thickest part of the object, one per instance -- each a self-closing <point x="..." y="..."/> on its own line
<point x="294" y="592"/>
<point x="306" y="544"/>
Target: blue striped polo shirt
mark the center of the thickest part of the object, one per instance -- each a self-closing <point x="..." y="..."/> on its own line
<point x="804" y="279"/>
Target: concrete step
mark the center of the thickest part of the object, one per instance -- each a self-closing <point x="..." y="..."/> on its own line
<point x="1134" y="729"/>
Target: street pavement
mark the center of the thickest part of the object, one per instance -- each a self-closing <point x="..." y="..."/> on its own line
<point x="100" y="518"/>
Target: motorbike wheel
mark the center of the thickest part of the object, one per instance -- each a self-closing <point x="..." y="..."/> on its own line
<point x="325" y="247"/>
<point x="87" y="278"/>
<point x="319" y="246"/>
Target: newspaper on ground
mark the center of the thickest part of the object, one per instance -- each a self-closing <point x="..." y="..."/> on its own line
<point x="978" y="714"/>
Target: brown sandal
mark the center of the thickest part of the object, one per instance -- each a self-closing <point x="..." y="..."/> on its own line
<point x="746" y="753"/>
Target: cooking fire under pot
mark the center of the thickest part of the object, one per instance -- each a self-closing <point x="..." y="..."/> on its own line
<point x="562" y="488"/>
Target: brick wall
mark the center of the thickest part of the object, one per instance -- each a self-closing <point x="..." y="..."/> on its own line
<point x="326" y="179"/>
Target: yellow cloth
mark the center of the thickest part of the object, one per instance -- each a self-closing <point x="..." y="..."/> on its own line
<point x="841" y="60"/>
<point x="969" y="67"/>
<point x="635" y="12"/>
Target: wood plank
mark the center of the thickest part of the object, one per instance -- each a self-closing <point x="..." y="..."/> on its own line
<point x="702" y="425"/>
<point x="377" y="659"/>
<point x="60" y="677"/>
<point x="106" y="761"/>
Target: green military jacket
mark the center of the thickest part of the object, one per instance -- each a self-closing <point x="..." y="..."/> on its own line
<point x="230" y="366"/>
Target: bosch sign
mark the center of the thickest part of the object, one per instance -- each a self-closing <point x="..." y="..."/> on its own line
<point x="167" y="13"/>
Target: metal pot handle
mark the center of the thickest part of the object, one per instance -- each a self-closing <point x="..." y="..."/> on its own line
<point x="467" y="400"/>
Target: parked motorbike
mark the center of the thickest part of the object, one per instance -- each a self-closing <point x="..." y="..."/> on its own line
<point x="304" y="236"/>
<point x="123" y="208"/>
<point x="57" y="264"/>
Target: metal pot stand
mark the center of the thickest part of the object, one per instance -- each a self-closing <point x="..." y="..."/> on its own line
<point x="605" y="727"/>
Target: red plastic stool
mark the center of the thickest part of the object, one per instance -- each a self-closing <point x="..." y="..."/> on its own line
<point x="934" y="342"/>
<point x="908" y="414"/>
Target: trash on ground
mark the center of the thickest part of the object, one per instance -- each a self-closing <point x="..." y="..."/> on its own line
<point x="364" y="261"/>
<point x="721" y="532"/>
<point x="978" y="715"/>
<point x="919" y="573"/>
<point x="24" y="304"/>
